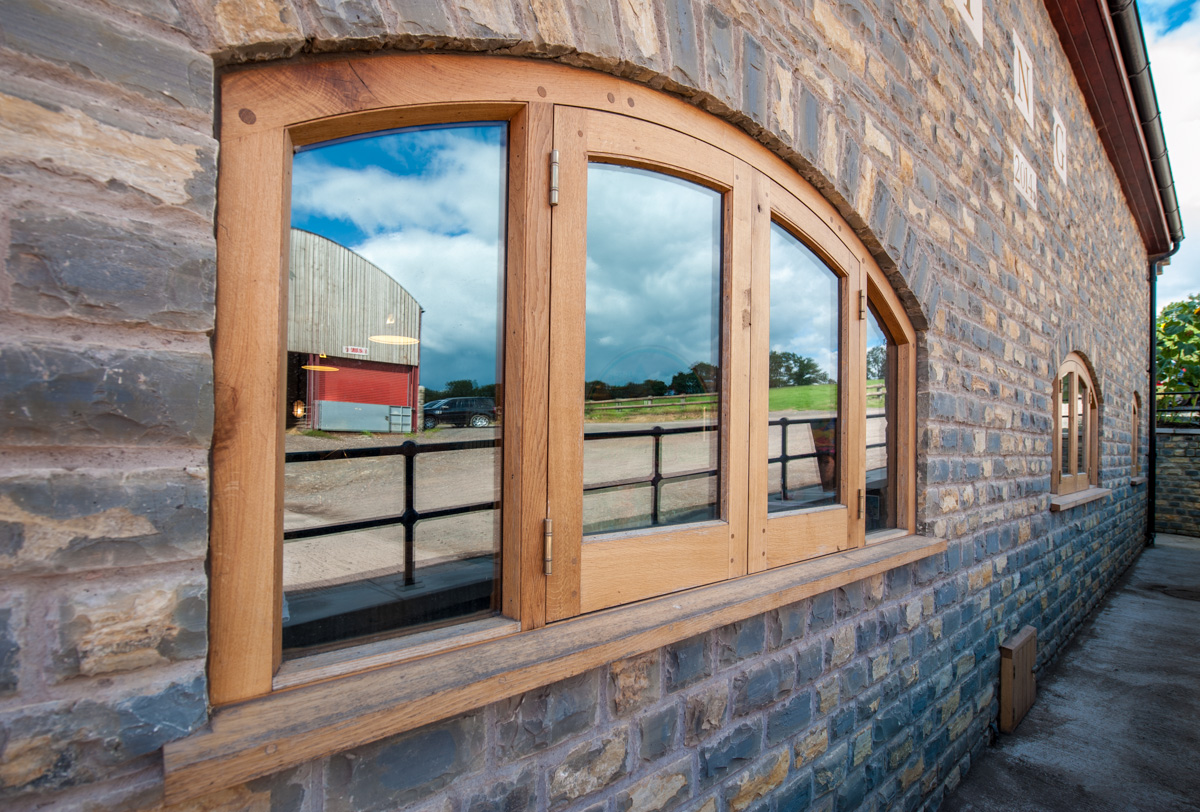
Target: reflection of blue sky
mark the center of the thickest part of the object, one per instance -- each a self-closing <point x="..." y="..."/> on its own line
<point x="426" y="206"/>
<point x="804" y="302"/>
<point x="653" y="275"/>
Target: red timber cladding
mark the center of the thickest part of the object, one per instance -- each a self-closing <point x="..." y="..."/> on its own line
<point x="364" y="382"/>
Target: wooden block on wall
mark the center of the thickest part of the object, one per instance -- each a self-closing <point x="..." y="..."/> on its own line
<point x="1018" y="655"/>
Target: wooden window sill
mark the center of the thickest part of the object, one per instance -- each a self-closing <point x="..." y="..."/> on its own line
<point x="1137" y="480"/>
<point x="1073" y="500"/>
<point x="262" y="736"/>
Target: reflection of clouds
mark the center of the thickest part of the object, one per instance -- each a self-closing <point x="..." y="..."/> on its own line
<point x="426" y="207"/>
<point x="653" y="255"/>
<point x="804" y="302"/>
<point x="454" y="278"/>
<point x="455" y="189"/>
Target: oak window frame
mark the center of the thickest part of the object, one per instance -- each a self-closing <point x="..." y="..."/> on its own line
<point x="1071" y="374"/>
<point x="268" y="111"/>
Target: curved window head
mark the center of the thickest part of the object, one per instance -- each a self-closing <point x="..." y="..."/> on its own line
<point x="1076" y="438"/>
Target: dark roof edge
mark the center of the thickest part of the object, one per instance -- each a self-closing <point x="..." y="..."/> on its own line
<point x="1131" y="40"/>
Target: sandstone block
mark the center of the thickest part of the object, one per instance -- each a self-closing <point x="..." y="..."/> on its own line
<point x="811" y="745"/>
<point x="104" y="631"/>
<point x="660" y="791"/>
<point x="90" y="395"/>
<point x="731" y="752"/>
<point x="97" y="47"/>
<point x="830" y="769"/>
<point x="65" y="139"/>
<point x="589" y="767"/>
<point x="757" y="782"/>
<point x="704" y="713"/>
<point x="790" y="718"/>
<point x="688" y="661"/>
<point x="762" y="685"/>
<point x="542" y="718"/>
<point x="272" y="26"/>
<point x="516" y="795"/>
<point x="720" y="69"/>
<point x="10" y="645"/>
<point x="740" y="641"/>
<point x="680" y="20"/>
<point x="349" y="21"/>
<point x="657" y="729"/>
<point x="60" y="521"/>
<point x="102" y="270"/>
<point x="635" y="683"/>
<point x="70" y="743"/>
<point x="405" y="768"/>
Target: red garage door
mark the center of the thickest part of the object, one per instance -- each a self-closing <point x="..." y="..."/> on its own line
<point x="363" y="382"/>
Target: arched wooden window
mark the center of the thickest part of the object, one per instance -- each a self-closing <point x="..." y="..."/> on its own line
<point x="1076" y="438"/>
<point x="595" y="347"/>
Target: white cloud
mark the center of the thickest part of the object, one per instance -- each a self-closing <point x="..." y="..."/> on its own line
<point x="456" y="280"/>
<point x="1175" y="62"/>
<point x="446" y="197"/>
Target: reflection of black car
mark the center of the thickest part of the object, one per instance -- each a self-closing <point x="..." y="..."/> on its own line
<point x="475" y="412"/>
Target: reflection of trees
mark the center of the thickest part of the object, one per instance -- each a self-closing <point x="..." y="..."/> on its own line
<point x="789" y="369"/>
<point x="700" y="378"/>
<point x="461" y="389"/>
<point x="876" y="359"/>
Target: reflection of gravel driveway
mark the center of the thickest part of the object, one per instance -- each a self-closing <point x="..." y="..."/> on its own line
<point x="320" y="493"/>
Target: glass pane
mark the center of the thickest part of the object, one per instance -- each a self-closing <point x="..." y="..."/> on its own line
<point x="652" y="358"/>
<point x="1081" y="404"/>
<point x="880" y="502"/>
<point x="393" y="370"/>
<point x="1065" y="422"/>
<point x="802" y="434"/>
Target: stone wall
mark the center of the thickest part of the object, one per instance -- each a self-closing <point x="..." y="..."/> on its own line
<point x="1177" y="490"/>
<point x="876" y="697"/>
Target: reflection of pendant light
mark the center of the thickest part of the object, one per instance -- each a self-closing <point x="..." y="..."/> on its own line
<point x="319" y="367"/>
<point x="298" y="409"/>
<point x="396" y="340"/>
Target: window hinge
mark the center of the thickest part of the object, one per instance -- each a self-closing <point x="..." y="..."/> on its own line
<point x="861" y="502"/>
<point x="549" y="547"/>
<point x="553" y="202"/>
<point x="862" y="305"/>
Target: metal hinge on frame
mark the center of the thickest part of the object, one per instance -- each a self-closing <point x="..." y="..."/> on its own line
<point x="861" y="502"/>
<point x="549" y="552"/>
<point x="862" y="305"/>
<point x="553" y="194"/>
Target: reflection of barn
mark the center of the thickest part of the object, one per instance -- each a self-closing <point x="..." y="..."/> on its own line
<point x="353" y="341"/>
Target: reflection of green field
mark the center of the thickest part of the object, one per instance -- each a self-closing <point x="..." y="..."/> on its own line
<point x="648" y="415"/>
<point x="819" y="397"/>
<point x="816" y="397"/>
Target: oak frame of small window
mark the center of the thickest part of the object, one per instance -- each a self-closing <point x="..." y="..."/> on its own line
<point x="1135" y="443"/>
<point x="268" y="111"/>
<point x="1071" y="373"/>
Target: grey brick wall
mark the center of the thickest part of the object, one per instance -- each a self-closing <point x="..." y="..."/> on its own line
<point x="877" y="696"/>
<point x="1177" y="491"/>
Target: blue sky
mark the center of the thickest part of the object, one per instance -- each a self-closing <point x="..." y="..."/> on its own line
<point x="1172" y="31"/>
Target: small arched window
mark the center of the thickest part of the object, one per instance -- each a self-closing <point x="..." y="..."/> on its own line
<point x="1076" y="441"/>
<point x="1135" y="443"/>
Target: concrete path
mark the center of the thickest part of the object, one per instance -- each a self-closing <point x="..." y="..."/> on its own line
<point x="1116" y="725"/>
